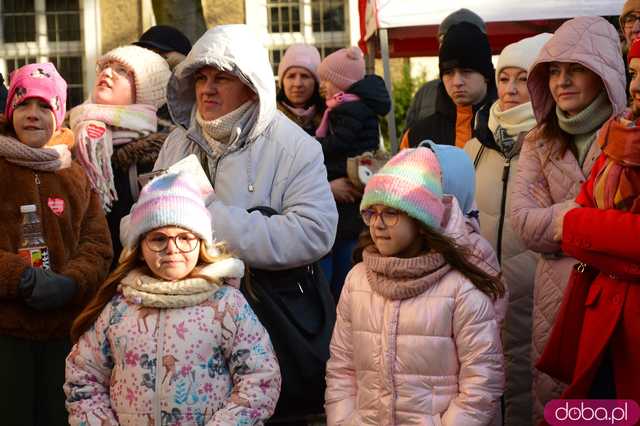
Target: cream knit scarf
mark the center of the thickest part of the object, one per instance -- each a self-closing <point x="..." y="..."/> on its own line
<point x="217" y="132"/>
<point x="514" y="120"/>
<point x="141" y="289"/>
<point x="97" y="129"/>
<point x="398" y="278"/>
<point x="41" y="159"/>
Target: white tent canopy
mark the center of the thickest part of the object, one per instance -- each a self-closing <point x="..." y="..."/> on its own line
<point x="395" y="21"/>
<point x="411" y="13"/>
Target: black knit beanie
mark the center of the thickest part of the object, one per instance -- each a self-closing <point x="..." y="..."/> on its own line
<point x="466" y="46"/>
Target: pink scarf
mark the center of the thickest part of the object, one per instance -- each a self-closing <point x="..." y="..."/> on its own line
<point x="336" y="100"/>
<point x="301" y="112"/>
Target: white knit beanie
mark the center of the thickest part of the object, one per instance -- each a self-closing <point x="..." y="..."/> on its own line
<point x="521" y="54"/>
<point x="151" y="72"/>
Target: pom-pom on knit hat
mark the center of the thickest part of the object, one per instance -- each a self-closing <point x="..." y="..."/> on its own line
<point x="521" y="54"/>
<point x="465" y="46"/>
<point x="150" y="70"/>
<point x="171" y="199"/>
<point x="410" y="182"/>
<point x="40" y="81"/>
<point x="343" y="67"/>
<point x="300" y="55"/>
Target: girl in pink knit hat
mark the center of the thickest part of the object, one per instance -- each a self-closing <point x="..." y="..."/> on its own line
<point x="349" y="128"/>
<point x="164" y="340"/>
<point x="299" y="86"/>
<point x="44" y="281"/>
<point x="118" y="134"/>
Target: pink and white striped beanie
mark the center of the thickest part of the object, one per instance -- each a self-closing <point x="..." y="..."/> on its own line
<point x="410" y="182"/>
<point x="169" y="200"/>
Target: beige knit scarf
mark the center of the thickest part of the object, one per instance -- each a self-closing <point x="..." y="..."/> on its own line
<point x="217" y="132"/>
<point x="141" y="289"/>
<point x="41" y="159"/>
<point x="399" y="278"/>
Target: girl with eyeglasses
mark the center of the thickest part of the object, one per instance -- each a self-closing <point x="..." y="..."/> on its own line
<point x="416" y="339"/>
<point x="164" y="340"/>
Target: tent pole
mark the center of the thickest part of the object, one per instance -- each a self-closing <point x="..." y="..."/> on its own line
<point x="391" y="117"/>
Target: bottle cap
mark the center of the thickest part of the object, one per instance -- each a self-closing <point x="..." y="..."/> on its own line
<point x="28" y="208"/>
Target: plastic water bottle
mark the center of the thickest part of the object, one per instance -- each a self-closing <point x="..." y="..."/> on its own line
<point x="33" y="248"/>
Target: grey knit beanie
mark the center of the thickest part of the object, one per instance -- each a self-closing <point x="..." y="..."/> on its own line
<point x="461" y="15"/>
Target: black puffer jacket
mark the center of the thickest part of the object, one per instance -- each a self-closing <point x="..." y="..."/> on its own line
<point x="440" y="126"/>
<point x="353" y="130"/>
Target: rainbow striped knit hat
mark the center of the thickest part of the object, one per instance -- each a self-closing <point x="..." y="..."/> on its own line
<point x="409" y="182"/>
<point x="171" y="199"/>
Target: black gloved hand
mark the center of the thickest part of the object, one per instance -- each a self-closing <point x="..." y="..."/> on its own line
<point x="43" y="290"/>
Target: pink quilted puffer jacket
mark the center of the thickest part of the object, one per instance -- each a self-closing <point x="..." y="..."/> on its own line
<point x="547" y="181"/>
<point x="483" y="257"/>
<point x="434" y="358"/>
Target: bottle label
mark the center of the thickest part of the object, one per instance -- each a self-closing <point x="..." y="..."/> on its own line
<point x="38" y="257"/>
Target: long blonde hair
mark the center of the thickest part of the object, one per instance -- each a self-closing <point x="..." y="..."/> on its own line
<point x="128" y="262"/>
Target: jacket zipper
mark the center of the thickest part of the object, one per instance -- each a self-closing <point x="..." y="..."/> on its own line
<point x="39" y="204"/>
<point x="206" y="158"/>
<point x="503" y="206"/>
<point x="159" y="373"/>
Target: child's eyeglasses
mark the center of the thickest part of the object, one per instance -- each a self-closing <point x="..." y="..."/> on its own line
<point x="158" y="242"/>
<point x="116" y="67"/>
<point x="630" y="19"/>
<point x="389" y="217"/>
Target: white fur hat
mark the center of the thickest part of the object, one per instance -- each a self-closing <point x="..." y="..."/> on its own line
<point x="151" y="72"/>
<point x="521" y="54"/>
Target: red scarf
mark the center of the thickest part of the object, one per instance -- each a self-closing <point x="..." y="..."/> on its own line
<point x="337" y="99"/>
<point x="617" y="184"/>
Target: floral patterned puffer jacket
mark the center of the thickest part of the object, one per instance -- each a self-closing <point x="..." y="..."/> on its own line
<point x="209" y="364"/>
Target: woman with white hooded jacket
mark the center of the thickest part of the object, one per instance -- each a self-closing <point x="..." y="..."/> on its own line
<point x="222" y="97"/>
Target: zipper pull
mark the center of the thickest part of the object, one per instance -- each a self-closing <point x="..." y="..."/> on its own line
<point x="581" y="267"/>
<point x="37" y="178"/>
<point x="505" y="170"/>
<point x="300" y="287"/>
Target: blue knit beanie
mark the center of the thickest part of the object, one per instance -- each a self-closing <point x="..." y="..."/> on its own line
<point x="458" y="174"/>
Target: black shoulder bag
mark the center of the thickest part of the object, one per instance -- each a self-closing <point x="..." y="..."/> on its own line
<point x="296" y="307"/>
